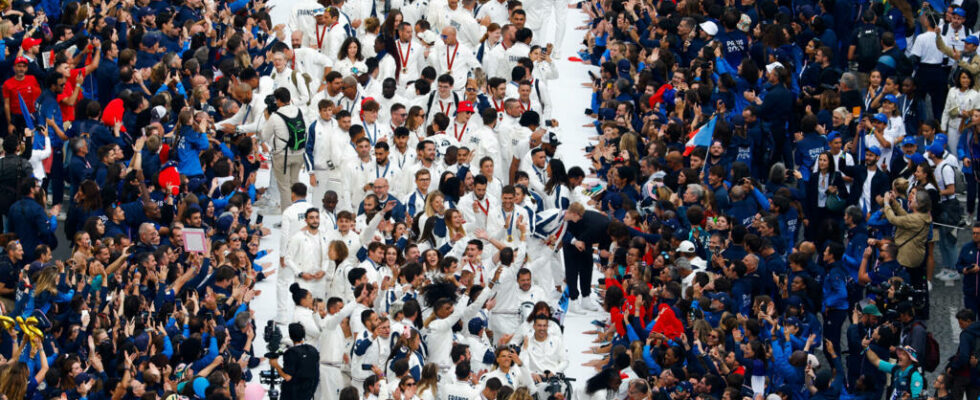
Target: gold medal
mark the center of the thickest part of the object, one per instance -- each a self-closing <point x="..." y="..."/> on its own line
<point x="510" y="238"/>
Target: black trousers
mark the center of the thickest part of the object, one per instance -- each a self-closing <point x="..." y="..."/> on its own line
<point x="578" y="270"/>
<point x="931" y="79"/>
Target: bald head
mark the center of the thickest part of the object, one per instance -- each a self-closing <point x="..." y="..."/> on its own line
<point x="296" y="39"/>
<point x="449" y="35"/>
<point x="381" y="187"/>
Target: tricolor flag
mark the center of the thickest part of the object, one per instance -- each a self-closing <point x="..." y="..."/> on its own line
<point x="700" y="136"/>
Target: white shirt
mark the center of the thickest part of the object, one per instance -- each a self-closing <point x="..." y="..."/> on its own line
<point x="546" y="355"/>
<point x="457" y="60"/>
<point x="924" y="46"/>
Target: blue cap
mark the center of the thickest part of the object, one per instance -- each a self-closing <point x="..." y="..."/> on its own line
<point x="476" y="324"/>
<point x="832" y="135"/>
<point x="738" y="120"/>
<point x="917" y="158"/>
<point x="723" y="297"/>
<point x="942" y="138"/>
<point x="792" y="321"/>
<point x="684" y="386"/>
<point x="83" y="377"/>
<point x="972" y="40"/>
<point x="880" y="117"/>
<point x="874" y="149"/>
<point x="959" y="11"/>
<point x="891" y="98"/>
<point x="936" y="149"/>
<point x="908" y="141"/>
<point x="794" y="301"/>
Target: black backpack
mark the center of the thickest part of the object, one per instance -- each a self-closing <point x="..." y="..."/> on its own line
<point x="868" y="47"/>
<point x="12" y="170"/>
<point x="297" y="132"/>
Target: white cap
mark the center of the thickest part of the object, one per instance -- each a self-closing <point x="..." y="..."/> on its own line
<point x="709" y="27"/>
<point x="699" y="263"/>
<point x="773" y="65"/>
<point x="812" y="361"/>
<point x="685" y="247"/>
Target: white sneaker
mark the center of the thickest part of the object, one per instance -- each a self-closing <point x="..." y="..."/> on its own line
<point x="589" y="304"/>
<point x="575" y="307"/>
<point x="948" y="275"/>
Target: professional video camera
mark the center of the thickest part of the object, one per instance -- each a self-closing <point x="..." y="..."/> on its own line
<point x="895" y="292"/>
<point x="273" y="342"/>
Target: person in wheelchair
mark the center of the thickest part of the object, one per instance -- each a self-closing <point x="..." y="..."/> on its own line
<point x="544" y="352"/>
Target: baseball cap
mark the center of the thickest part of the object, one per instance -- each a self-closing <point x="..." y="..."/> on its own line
<point x="911" y="352"/>
<point x="942" y="138"/>
<point x="476" y="324"/>
<point x="82" y="378"/>
<point x="880" y="117"/>
<point x="19" y="60"/>
<point x="551" y="138"/>
<point x="917" y="158"/>
<point x="908" y="141"/>
<point x="738" y="120"/>
<point x="890" y="98"/>
<point x="972" y="40"/>
<point x="686" y="247"/>
<point x="936" y="149"/>
<point x="465" y="106"/>
<point x="150" y="40"/>
<point x="29" y="42"/>
<point x="709" y="27"/>
<point x="875" y="149"/>
<point x="959" y="11"/>
<point x="792" y="321"/>
<point x="832" y="135"/>
<point x="723" y="297"/>
<point x="871" y="309"/>
<point x="772" y="66"/>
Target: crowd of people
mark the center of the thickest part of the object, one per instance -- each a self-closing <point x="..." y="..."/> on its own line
<point x="770" y="189"/>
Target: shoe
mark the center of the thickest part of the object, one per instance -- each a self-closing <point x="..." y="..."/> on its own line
<point x="589" y="304"/>
<point x="948" y="275"/>
<point x="575" y="307"/>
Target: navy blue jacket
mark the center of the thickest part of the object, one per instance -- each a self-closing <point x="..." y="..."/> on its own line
<point x="28" y="220"/>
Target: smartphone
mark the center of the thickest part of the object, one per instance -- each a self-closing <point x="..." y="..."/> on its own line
<point x="258" y="218"/>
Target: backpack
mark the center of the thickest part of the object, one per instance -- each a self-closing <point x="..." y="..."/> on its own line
<point x="959" y="180"/>
<point x="306" y="79"/>
<point x="432" y="97"/>
<point x="930" y="360"/>
<point x="12" y="171"/>
<point x="868" y="46"/>
<point x="297" y="133"/>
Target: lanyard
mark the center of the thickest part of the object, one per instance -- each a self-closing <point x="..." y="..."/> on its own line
<point x="510" y="224"/>
<point x="457" y="133"/>
<point x="523" y="107"/>
<point x="497" y="106"/>
<point x="445" y="110"/>
<point x="401" y="160"/>
<point x="382" y="174"/>
<point x="332" y="218"/>
<point x="321" y="34"/>
<point x="373" y="138"/>
<point x="353" y="104"/>
<point x="537" y="173"/>
<point x="403" y="58"/>
<point x="450" y="61"/>
<point x="248" y="109"/>
<point x="486" y="210"/>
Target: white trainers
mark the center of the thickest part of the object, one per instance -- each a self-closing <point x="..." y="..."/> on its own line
<point x="947" y="275"/>
<point x="575" y="307"/>
<point x="589" y="304"/>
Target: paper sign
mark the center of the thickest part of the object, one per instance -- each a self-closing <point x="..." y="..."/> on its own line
<point x="194" y="240"/>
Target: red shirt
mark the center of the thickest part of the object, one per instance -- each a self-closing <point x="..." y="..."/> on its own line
<point x="28" y="89"/>
<point x="67" y="111"/>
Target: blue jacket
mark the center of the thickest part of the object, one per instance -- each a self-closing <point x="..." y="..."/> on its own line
<point x="791" y="376"/>
<point x="807" y="151"/>
<point x="835" y="287"/>
<point x="28" y="220"/>
<point x="191" y="144"/>
<point x="968" y="258"/>
<point x="857" y="241"/>
<point x="79" y="169"/>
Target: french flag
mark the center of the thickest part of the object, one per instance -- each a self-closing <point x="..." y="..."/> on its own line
<point x="700" y="136"/>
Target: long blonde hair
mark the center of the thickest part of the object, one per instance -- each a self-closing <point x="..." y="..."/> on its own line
<point x="46" y="281"/>
<point x="430" y="380"/>
<point x="430" y="210"/>
<point x="450" y="229"/>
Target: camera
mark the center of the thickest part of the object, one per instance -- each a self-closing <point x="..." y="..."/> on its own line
<point x="901" y="292"/>
<point x="270" y="103"/>
<point x="273" y="340"/>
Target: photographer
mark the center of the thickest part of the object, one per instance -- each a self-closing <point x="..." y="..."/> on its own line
<point x="300" y="370"/>
<point x="906" y="376"/>
<point x="285" y="134"/>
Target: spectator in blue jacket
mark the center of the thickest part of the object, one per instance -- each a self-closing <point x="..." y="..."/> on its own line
<point x="835" y="302"/>
<point x="29" y="220"/>
<point x="191" y="141"/>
